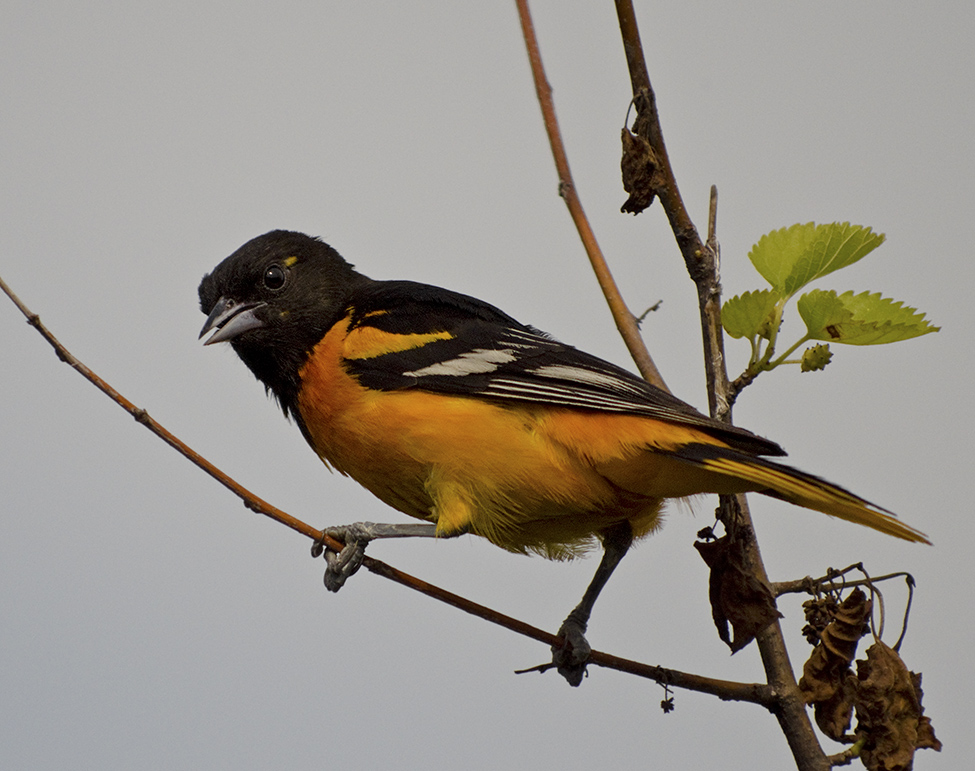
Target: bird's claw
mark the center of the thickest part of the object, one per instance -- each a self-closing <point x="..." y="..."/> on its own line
<point x="343" y="564"/>
<point x="572" y="656"/>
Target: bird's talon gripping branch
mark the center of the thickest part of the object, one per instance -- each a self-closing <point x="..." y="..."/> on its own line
<point x="317" y="549"/>
<point x="572" y="656"/>
<point x="356" y="537"/>
<point x="343" y="564"/>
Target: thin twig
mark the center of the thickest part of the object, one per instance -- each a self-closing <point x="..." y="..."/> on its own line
<point x="755" y="693"/>
<point x="713" y="226"/>
<point x="815" y="586"/>
<point x="698" y="258"/>
<point x="625" y="320"/>
<point x="810" y="585"/>
<point x="724" y="689"/>
<point x="848" y="755"/>
<point x="648" y="126"/>
<point x="251" y="500"/>
<point x="907" y="612"/>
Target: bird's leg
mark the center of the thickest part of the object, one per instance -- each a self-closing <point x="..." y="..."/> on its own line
<point x="356" y="536"/>
<point x="570" y="659"/>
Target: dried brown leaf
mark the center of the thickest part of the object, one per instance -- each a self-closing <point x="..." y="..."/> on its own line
<point x="926" y="740"/>
<point x="827" y="681"/>
<point x="737" y="596"/>
<point x="848" y="626"/>
<point x="889" y="713"/>
<point x="639" y="169"/>
<point x="835" y="713"/>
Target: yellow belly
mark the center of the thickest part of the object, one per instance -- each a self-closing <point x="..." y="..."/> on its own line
<point x="525" y="477"/>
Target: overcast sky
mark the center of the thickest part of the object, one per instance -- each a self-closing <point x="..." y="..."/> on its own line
<point x="147" y="620"/>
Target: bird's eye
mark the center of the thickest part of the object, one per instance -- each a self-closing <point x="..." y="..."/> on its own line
<point x="274" y="277"/>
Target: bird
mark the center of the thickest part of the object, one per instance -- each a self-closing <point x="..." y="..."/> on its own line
<point x="449" y="410"/>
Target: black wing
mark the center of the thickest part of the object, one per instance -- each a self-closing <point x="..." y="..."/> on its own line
<point x="488" y="354"/>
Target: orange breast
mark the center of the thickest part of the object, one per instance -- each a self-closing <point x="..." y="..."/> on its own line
<point x="527" y="477"/>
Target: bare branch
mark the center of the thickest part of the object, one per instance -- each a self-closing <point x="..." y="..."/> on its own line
<point x="702" y="264"/>
<point x="250" y="500"/>
<point x="625" y="320"/>
<point x="810" y="585"/>
<point x="846" y="757"/>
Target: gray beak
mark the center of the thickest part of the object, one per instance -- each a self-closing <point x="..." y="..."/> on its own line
<point x="230" y="319"/>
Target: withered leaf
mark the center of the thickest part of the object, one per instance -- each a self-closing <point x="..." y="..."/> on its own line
<point x="848" y="626"/>
<point x="737" y="596"/>
<point x="835" y="713"/>
<point x="925" y="731"/>
<point x="827" y="681"/>
<point x="889" y="712"/>
<point x="822" y="676"/>
<point x="639" y="168"/>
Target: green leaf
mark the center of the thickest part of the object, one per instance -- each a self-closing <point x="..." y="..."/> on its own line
<point x="777" y="252"/>
<point x="748" y="314"/>
<point x="792" y="257"/>
<point x="863" y="319"/>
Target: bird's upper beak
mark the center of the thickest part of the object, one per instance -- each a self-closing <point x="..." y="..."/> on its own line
<point x="230" y="318"/>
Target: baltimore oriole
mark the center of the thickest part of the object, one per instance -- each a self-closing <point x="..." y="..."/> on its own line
<point x="449" y="410"/>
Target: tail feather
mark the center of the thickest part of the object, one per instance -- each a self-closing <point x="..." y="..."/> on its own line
<point x="799" y="488"/>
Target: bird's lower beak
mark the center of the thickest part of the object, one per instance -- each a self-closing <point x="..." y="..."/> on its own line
<point x="230" y="319"/>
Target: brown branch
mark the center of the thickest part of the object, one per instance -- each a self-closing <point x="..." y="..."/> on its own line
<point x="755" y="693"/>
<point x="250" y="500"/>
<point x="648" y="126"/>
<point x="625" y="320"/>
<point x="702" y="265"/>
<point x="810" y="585"/>
<point x="846" y="757"/>
<point x="699" y="259"/>
<point x="724" y="689"/>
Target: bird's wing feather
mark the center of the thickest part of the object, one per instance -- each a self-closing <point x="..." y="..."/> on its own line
<point x="426" y="338"/>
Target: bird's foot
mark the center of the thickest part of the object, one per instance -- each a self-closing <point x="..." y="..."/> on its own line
<point x="343" y="564"/>
<point x="572" y="656"/>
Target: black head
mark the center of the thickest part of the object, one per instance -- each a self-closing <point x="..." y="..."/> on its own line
<point x="273" y="300"/>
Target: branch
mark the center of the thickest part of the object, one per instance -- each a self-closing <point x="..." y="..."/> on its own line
<point x="728" y="690"/>
<point x="846" y="757"/>
<point x="626" y="322"/>
<point x="810" y="585"/>
<point x="702" y="265"/>
<point x="724" y="689"/>
<point x="700" y="260"/>
<point x="250" y="500"/>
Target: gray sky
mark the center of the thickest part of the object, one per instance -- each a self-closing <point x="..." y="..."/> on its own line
<point x="150" y="621"/>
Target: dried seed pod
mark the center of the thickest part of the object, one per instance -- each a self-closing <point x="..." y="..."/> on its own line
<point x="819" y="613"/>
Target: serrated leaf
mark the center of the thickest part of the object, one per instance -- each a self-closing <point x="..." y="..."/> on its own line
<point x="748" y="314"/>
<point x="792" y="257"/>
<point x="823" y="312"/>
<point x="835" y="246"/>
<point x="863" y="319"/>
<point x="776" y="253"/>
